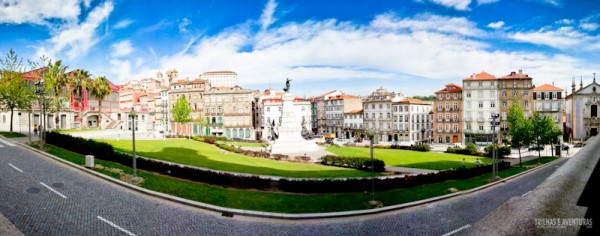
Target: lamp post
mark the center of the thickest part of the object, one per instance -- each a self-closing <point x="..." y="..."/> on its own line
<point x="494" y="123"/>
<point x="422" y="135"/>
<point x="40" y="91"/>
<point x="132" y="115"/>
<point x="371" y="135"/>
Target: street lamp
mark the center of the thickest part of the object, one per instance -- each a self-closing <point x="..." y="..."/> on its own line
<point x="132" y="115"/>
<point x="494" y="123"/>
<point x="422" y="135"/>
<point x="371" y="135"/>
<point x="40" y="91"/>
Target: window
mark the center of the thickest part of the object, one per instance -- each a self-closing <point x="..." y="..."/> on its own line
<point x="525" y="93"/>
<point x="440" y="97"/>
<point x="389" y="116"/>
<point x="268" y="109"/>
<point x="380" y="106"/>
<point x="503" y="93"/>
<point x="503" y="115"/>
<point x="440" y="117"/>
<point x="447" y="106"/>
<point x="455" y="106"/>
<point x="468" y="94"/>
<point x="447" y="127"/>
<point x="372" y="106"/>
<point x="456" y="96"/>
<point x="492" y="83"/>
<point x="480" y="84"/>
<point x="503" y="103"/>
<point x="455" y="127"/>
<point x="480" y="94"/>
<point x="480" y="104"/>
<point x="492" y="94"/>
<point x="468" y="84"/>
<point x="454" y="117"/>
<point x="492" y="104"/>
<point x="514" y="93"/>
<point x="526" y="103"/>
<point x="447" y="116"/>
<point x="468" y="126"/>
<point x="481" y="127"/>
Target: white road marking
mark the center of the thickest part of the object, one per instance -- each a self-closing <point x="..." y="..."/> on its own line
<point x="525" y="194"/>
<point x="51" y="189"/>
<point x="14" y="167"/>
<point x="116" y="226"/>
<point x="456" y="230"/>
<point x="7" y="142"/>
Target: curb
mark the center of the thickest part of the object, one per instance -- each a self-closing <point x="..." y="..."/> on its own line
<point x="272" y="215"/>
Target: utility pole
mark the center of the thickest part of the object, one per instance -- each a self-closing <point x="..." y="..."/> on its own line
<point x="494" y="123"/>
<point x="40" y="91"/>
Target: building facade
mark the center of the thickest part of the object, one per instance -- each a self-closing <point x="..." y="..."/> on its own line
<point x="193" y="91"/>
<point x="480" y="101"/>
<point x="220" y="78"/>
<point x="513" y="87"/>
<point x="353" y="125"/>
<point x="229" y="112"/>
<point x="271" y="118"/>
<point x="318" y="110"/>
<point x="582" y="112"/>
<point x="335" y="108"/>
<point x="378" y="113"/>
<point x="412" y="122"/>
<point x="549" y="101"/>
<point x="447" y="115"/>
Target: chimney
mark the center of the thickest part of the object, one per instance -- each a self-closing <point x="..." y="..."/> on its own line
<point x="520" y="73"/>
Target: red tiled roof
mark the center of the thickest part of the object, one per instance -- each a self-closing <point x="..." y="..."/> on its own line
<point x="514" y="75"/>
<point x="322" y="95"/>
<point x="546" y="87"/>
<point x="456" y="89"/>
<point x="481" y="76"/>
<point x="343" y="96"/>
<point x="355" y="111"/>
<point x="34" y="74"/>
<point x="413" y="101"/>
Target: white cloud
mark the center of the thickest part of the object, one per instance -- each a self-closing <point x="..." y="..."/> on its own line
<point x="556" y="3"/>
<point x="481" y="2"/>
<point x="38" y="12"/>
<point x="77" y="38"/>
<point x="428" y="22"/>
<point x="565" y="22"/>
<point x="563" y="37"/>
<point x="183" y="24"/>
<point x="87" y="3"/>
<point x="266" y="17"/>
<point x="389" y="48"/>
<point x="121" y="49"/>
<point x="460" y="5"/>
<point x="496" y="25"/>
<point x="122" y="24"/>
<point x="589" y="26"/>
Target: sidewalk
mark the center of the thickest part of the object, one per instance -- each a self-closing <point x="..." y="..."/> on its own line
<point x="7" y="228"/>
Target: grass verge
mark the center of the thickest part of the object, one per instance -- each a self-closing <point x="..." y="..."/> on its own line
<point x="282" y="202"/>
<point x="12" y="135"/>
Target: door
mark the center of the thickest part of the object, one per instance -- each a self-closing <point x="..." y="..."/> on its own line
<point x="455" y="139"/>
<point x="593" y="131"/>
<point x="594" y="111"/>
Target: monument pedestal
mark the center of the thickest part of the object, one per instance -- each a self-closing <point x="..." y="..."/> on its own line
<point x="290" y="141"/>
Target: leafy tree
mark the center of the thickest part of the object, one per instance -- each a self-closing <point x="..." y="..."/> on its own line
<point x="181" y="111"/>
<point x="55" y="78"/>
<point x="471" y="148"/>
<point x="519" y="128"/>
<point x="425" y="98"/>
<point x="80" y="81"/>
<point x="100" y="90"/>
<point x="14" y="92"/>
<point x="544" y="129"/>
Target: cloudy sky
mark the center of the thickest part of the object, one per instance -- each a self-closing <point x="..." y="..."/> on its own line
<point x="412" y="46"/>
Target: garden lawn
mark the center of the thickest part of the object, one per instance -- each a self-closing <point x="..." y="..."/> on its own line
<point x="412" y="159"/>
<point x="204" y="155"/>
<point x="282" y="202"/>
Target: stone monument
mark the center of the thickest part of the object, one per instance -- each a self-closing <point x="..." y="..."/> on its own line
<point x="289" y="141"/>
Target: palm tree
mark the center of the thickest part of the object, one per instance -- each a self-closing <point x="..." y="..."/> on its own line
<point x="100" y="90"/>
<point x="80" y="82"/>
<point x="55" y="79"/>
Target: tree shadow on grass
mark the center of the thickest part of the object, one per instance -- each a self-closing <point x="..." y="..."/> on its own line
<point x="193" y="157"/>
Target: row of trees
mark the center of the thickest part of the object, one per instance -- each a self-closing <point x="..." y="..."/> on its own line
<point x="538" y="129"/>
<point x="16" y="93"/>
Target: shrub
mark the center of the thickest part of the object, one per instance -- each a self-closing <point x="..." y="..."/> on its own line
<point x="422" y="148"/>
<point x="502" y="151"/>
<point x="360" y="163"/>
<point x="396" y="146"/>
<point x="472" y="148"/>
<point x="302" y="158"/>
<point x="279" y="156"/>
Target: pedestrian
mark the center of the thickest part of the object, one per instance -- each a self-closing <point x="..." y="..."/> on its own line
<point x="463" y="163"/>
<point x="477" y="162"/>
<point x="35" y="128"/>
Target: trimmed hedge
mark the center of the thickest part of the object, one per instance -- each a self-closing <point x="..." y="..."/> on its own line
<point x="360" y="163"/>
<point x="422" y="148"/>
<point x="502" y="151"/>
<point x="104" y="151"/>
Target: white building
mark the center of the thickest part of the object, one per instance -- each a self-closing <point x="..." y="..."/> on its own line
<point x="335" y="108"/>
<point x="480" y="100"/>
<point x="413" y="121"/>
<point x="582" y="112"/>
<point x="353" y="124"/>
<point x="548" y="101"/>
<point x="270" y="113"/>
<point x="220" y="78"/>
<point x="378" y="113"/>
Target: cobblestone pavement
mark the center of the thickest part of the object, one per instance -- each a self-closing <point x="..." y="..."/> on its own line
<point x="43" y="197"/>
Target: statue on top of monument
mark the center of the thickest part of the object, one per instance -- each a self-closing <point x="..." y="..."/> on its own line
<point x="287" y="85"/>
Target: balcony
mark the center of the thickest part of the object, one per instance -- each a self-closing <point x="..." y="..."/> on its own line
<point x="480" y="119"/>
<point x="467" y="119"/>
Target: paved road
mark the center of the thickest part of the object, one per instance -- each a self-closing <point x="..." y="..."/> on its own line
<point x="43" y="197"/>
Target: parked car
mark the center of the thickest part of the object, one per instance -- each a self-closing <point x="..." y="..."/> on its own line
<point x="578" y="145"/>
<point x="536" y="148"/>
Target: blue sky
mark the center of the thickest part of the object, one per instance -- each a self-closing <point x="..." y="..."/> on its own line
<point x="412" y="46"/>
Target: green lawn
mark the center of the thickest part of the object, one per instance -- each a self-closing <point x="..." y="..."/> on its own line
<point x="284" y="202"/>
<point x="413" y="159"/>
<point x="244" y="144"/>
<point x="200" y="154"/>
<point x="12" y="135"/>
